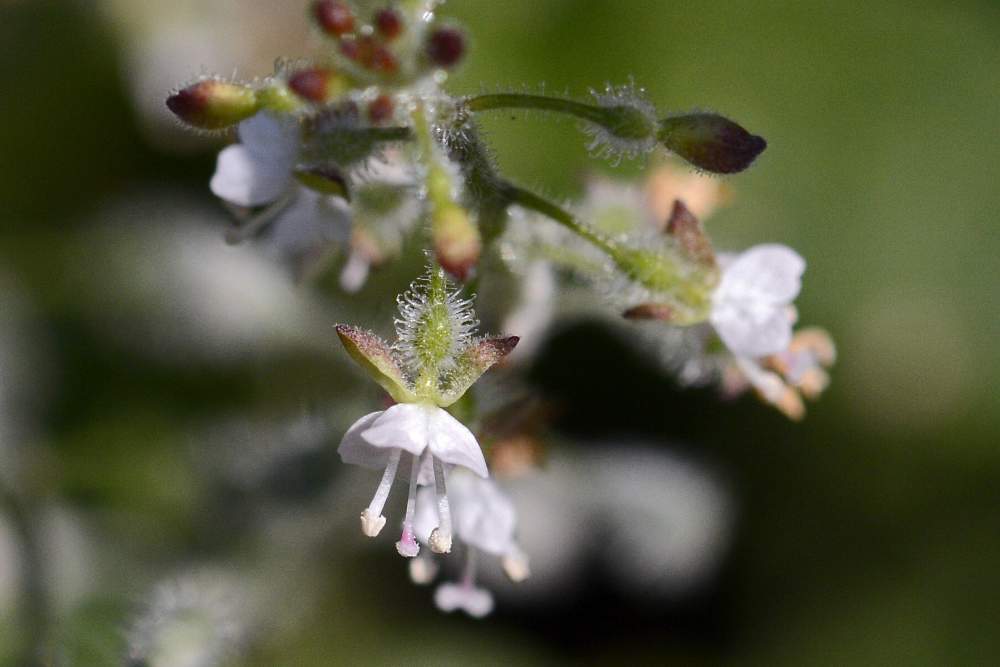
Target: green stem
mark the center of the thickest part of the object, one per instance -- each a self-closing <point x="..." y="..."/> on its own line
<point x="521" y="101"/>
<point x="530" y="200"/>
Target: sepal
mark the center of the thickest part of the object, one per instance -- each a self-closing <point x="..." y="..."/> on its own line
<point x="376" y="357"/>
<point x="472" y="363"/>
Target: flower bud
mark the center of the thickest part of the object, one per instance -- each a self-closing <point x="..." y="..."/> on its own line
<point x="380" y="109"/>
<point x="334" y="17"/>
<point x="649" y="311"/>
<point x="389" y="23"/>
<point x="213" y="105"/>
<point x="711" y="142"/>
<point x="368" y="53"/>
<point x="317" y="84"/>
<point x="457" y="243"/>
<point x="445" y="47"/>
<point x="690" y="235"/>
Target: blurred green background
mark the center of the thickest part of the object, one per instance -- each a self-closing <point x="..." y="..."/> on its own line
<point x="868" y="534"/>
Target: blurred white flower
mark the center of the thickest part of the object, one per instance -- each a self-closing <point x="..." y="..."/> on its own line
<point x="534" y="311"/>
<point x="199" y="619"/>
<point x="485" y="521"/>
<point x="669" y="520"/>
<point x="184" y="295"/>
<point x="660" y="524"/>
<point x="378" y="440"/>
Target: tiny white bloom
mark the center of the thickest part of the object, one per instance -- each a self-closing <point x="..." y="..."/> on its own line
<point x="751" y="307"/>
<point x="433" y="438"/>
<point x="258" y="170"/>
<point x="485" y="521"/>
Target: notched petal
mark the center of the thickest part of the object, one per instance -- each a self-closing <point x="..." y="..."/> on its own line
<point x="473" y="362"/>
<point x="375" y="356"/>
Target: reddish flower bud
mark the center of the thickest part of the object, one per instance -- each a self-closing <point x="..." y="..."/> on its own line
<point x="649" y="311"/>
<point x="690" y="235"/>
<point x="445" y="47"/>
<point x="213" y="105"/>
<point x="389" y="23"/>
<point x="317" y="84"/>
<point x="351" y="48"/>
<point x="368" y="53"/>
<point x="457" y="243"/>
<point x="711" y="142"/>
<point x="380" y="109"/>
<point x="334" y="17"/>
<point x="383" y="61"/>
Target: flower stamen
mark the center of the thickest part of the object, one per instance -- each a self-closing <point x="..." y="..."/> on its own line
<point x="407" y="545"/>
<point x="440" y="539"/>
<point x="372" y="520"/>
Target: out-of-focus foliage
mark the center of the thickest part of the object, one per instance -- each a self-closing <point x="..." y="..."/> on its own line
<point x="181" y="407"/>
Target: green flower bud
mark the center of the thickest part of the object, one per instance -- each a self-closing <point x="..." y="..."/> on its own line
<point x="457" y="243"/>
<point x="213" y="105"/>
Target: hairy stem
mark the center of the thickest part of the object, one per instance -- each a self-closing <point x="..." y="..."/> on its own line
<point x="551" y="210"/>
<point x="589" y="112"/>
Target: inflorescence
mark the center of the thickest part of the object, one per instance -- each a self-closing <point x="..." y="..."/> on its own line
<point x="357" y="155"/>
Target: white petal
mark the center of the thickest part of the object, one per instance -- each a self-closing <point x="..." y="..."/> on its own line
<point x="272" y="138"/>
<point x="451" y="442"/>
<point x="310" y="223"/>
<point x="483" y="515"/>
<point x="768" y="273"/>
<point x="354" y="450"/>
<point x="403" y="426"/>
<point x="245" y="181"/>
<point x="753" y="329"/>
<point x="476" y="602"/>
<point x="355" y="272"/>
<point x="258" y="169"/>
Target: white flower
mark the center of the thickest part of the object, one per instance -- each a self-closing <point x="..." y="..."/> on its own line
<point x="751" y="306"/>
<point x="258" y="170"/>
<point x="484" y="520"/>
<point x="433" y="438"/>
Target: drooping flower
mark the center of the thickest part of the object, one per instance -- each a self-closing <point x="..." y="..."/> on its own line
<point x="485" y="521"/>
<point x="435" y="360"/>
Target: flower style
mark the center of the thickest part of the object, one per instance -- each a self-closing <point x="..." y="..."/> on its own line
<point x="485" y="521"/>
<point x="434" y="362"/>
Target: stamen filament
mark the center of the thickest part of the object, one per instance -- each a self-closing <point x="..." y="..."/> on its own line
<point x="372" y="520"/>
<point x="471" y="562"/>
<point x="254" y="223"/>
<point x="440" y="539"/>
<point x="407" y="545"/>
